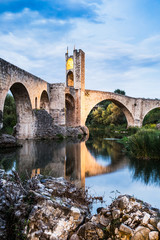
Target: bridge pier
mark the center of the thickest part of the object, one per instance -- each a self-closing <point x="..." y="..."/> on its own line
<point x="138" y="123"/>
<point x="57" y="103"/>
<point x="135" y="123"/>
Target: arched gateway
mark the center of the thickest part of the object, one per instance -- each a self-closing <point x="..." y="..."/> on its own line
<point x="68" y="104"/>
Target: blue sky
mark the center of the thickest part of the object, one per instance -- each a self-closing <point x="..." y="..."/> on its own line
<point x="121" y="39"/>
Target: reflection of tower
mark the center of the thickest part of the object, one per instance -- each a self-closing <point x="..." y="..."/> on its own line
<point x="75" y="163"/>
<point x="35" y="172"/>
<point x="75" y="88"/>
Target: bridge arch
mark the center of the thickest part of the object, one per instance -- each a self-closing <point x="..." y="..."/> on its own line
<point x="25" y="118"/>
<point x="70" y="109"/>
<point x="70" y="79"/>
<point x="44" y="101"/>
<point x="92" y="100"/>
<point x="148" y="111"/>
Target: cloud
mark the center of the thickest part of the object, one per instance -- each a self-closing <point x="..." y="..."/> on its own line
<point x="119" y="53"/>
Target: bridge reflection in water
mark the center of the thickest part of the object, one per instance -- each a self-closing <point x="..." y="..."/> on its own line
<point x="98" y="163"/>
<point x="72" y="161"/>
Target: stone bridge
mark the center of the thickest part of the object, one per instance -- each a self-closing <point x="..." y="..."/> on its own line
<point x="134" y="109"/>
<point x="30" y="92"/>
<point x="68" y="104"/>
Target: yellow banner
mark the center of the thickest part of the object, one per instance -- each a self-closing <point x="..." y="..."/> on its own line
<point x="69" y="64"/>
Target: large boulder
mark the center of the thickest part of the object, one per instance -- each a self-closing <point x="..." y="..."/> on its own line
<point x="7" y="141"/>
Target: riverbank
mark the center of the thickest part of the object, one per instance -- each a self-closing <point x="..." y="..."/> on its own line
<point x="143" y="145"/>
<point x="8" y="141"/>
<point x="111" y="131"/>
<point x="57" y="133"/>
<point x="54" y="209"/>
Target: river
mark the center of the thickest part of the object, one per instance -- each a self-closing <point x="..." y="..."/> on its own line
<point x="99" y="164"/>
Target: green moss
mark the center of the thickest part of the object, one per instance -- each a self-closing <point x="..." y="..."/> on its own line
<point x="60" y="136"/>
<point x="79" y="136"/>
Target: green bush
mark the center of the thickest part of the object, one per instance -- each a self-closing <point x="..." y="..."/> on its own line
<point x="152" y="117"/>
<point x="145" y="144"/>
<point x="132" y="130"/>
<point x="9" y="114"/>
<point x="150" y="126"/>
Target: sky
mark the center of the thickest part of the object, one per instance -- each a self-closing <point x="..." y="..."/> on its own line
<point x="120" y="38"/>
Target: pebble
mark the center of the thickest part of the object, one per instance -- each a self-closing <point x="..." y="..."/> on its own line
<point x="154" y="235"/>
<point x="125" y="229"/>
<point x="158" y="226"/>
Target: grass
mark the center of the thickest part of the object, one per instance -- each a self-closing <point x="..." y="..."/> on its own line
<point x="145" y="144"/>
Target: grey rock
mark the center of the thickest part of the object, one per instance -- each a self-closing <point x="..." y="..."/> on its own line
<point x="123" y="202"/>
<point x="7" y="141"/>
<point x="125" y="229"/>
<point x="154" y="235"/>
<point x="116" y="214"/>
<point x="153" y="221"/>
<point x="158" y="226"/>
<point x="158" y="126"/>
<point x="141" y="233"/>
<point x="145" y="219"/>
<point x="104" y="221"/>
<point x="74" y="237"/>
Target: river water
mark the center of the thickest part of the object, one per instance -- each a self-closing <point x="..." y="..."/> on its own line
<point x="98" y="164"/>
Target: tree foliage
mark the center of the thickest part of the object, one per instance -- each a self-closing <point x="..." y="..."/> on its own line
<point x="9" y="113"/>
<point x="111" y="115"/>
<point x="118" y="91"/>
<point x="152" y="117"/>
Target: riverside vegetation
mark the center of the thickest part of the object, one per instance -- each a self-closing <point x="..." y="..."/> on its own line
<point x="9" y="115"/>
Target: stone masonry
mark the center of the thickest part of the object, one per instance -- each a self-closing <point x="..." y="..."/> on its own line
<point x="68" y="104"/>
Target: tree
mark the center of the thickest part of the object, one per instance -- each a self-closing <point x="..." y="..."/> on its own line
<point x="9" y="113"/>
<point x="152" y="117"/>
<point x="118" y="91"/>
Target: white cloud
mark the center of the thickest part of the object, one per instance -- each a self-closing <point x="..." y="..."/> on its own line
<point x="114" y="59"/>
<point x="8" y="16"/>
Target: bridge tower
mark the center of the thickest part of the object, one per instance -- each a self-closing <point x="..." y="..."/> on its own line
<point x="75" y="88"/>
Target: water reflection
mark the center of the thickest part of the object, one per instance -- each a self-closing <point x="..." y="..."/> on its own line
<point x="8" y="159"/>
<point x="73" y="161"/>
<point x="76" y="161"/>
<point x="147" y="171"/>
<point x="107" y="154"/>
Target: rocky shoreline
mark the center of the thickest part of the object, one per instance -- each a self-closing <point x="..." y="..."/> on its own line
<point x="8" y="141"/>
<point x="54" y="209"/>
<point x="57" y="132"/>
